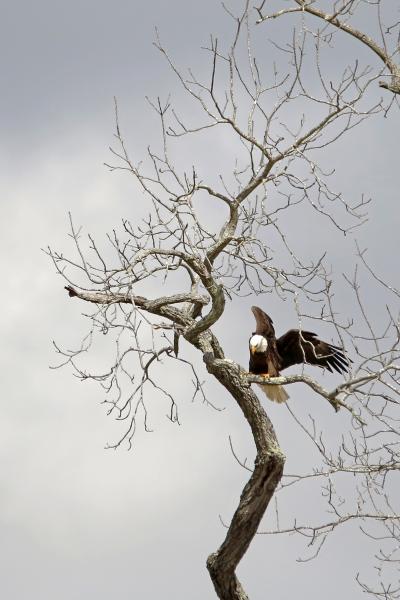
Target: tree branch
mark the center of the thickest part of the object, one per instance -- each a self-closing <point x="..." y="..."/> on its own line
<point x="160" y="306"/>
<point x="306" y="6"/>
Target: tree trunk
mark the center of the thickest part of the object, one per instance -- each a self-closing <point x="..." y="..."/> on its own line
<point x="258" y="491"/>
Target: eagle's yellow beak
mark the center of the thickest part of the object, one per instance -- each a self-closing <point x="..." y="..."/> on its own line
<point x="253" y="349"/>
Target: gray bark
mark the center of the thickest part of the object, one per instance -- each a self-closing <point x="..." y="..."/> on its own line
<point x="258" y="491"/>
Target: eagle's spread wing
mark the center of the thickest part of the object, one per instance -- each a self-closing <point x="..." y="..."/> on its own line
<point x="264" y="325"/>
<point x="297" y="347"/>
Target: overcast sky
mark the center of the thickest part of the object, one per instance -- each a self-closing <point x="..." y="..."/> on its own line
<point x="78" y="521"/>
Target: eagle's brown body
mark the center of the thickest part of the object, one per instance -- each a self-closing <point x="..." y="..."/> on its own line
<point x="269" y="355"/>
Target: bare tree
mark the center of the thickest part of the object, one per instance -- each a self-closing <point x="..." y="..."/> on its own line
<point x="280" y="116"/>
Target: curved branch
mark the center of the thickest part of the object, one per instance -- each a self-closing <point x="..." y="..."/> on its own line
<point x="258" y="491"/>
<point x="160" y="306"/>
<point x="346" y="387"/>
<point x="330" y="396"/>
<point x="115" y="298"/>
<point x="305" y="6"/>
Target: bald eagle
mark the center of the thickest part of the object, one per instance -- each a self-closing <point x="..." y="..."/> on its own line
<point x="269" y="355"/>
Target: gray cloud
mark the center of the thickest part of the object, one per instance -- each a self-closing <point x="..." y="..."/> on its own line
<point x="78" y="521"/>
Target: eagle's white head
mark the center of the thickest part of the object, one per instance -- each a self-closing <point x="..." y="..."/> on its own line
<point x="258" y="343"/>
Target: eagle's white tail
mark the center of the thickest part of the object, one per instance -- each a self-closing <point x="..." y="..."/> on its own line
<point x="276" y="393"/>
